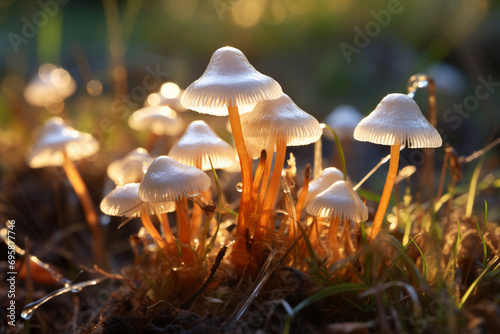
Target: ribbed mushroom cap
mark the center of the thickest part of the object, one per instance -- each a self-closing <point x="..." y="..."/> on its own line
<point x="281" y="117"/>
<point x="161" y="120"/>
<point x="124" y="201"/>
<point x="324" y="180"/>
<point x="343" y="119"/>
<point x="131" y="168"/>
<point x="229" y="79"/>
<point x="339" y="200"/>
<point x="397" y="120"/>
<point x="200" y="142"/>
<point x="169" y="180"/>
<point x="51" y="84"/>
<point x="55" y="139"/>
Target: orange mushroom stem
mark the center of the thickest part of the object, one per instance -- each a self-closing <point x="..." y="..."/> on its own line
<point x="386" y="194"/>
<point x="333" y="243"/>
<point x="246" y="168"/>
<point x="89" y="210"/>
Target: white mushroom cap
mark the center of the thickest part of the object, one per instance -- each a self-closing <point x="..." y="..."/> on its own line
<point x="281" y="117"/>
<point x="169" y="180"/>
<point x="229" y="79"/>
<point x="56" y="139"/>
<point x="51" y="84"/>
<point x="200" y="142"/>
<point x="340" y="201"/>
<point x="343" y="119"/>
<point x="324" y="180"/>
<point x="131" y="168"/>
<point x="161" y="120"/>
<point x="124" y="201"/>
<point x="397" y="120"/>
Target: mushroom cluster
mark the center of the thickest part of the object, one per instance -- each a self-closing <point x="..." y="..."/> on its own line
<point x="264" y="122"/>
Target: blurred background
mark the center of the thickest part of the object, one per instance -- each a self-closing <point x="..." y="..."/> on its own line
<point x="324" y="53"/>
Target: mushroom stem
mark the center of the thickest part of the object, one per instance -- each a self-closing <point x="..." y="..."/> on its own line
<point x="303" y="194"/>
<point x="197" y="213"/>
<point x="153" y="232"/>
<point x="333" y="243"/>
<point x="386" y="194"/>
<point x="261" y="169"/>
<point x="89" y="210"/>
<point x="246" y="167"/>
<point x="184" y="227"/>
<point x="274" y="184"/>
<point x="267" y="173"/>
<point x="169" y="237"/>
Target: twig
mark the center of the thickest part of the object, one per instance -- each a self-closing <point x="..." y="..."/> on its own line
<point x="187" y="304"/>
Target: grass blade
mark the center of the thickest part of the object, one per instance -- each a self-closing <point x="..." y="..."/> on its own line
<point x="326" y="292"/>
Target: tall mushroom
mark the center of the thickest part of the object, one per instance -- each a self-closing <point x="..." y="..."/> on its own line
<point x="169" y="180"/>
<point x="199" y="143"/>
<point x="230" y="85"/>
<point x="276" y="124"/>
<point x="60" y="145"/>
<point x="338" y="202"/>
<point x="397" y="120"/>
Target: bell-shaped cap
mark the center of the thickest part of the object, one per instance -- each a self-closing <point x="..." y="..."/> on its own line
<point x="57" y="139"/>
<point x="198" y="143"/>
<point x="161" y="120"/>
<point x="52" y="84"/>
<point x="168" y="180"/>
<point x="124" y="201"/>
<point x="397" y="120"/>
<point x="324" y="180"/>
<point x="281" y="117"/>
<point x="343" y="119"/>
<point x="131" y="168"/>
<point x="229" y="79"/>
<point x="339" y="200"/>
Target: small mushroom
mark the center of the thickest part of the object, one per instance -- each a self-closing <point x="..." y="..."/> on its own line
<point x="49" y="87"/>
<point x="169" y="180"/>
<point x="275" y="124"/>
<point x="124" y="201"/>
<point x="131" y="168"/>
<point x="338" y="202"/>
<point x="157" y="120"/>
<point x="397" y="120"/>
<point x="60" y="145"/>
<point x="199" y="143"/>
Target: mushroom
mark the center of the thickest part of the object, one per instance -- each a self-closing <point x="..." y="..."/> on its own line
<point x="60" y="145"/>
<point x="158" y="120"/>
<point x="275" y="124"/>
<point x="124" y="201"/>
<point x="338" y="202"/>
<point x="199" y="143"/>
<point x="169" y="180"/>
<point x="130" y="168"/>
<point x="320" y="183"/>
<point x="49" y="87"/>
<point x="230" y="85"/>
<point x="397" y="120"/>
